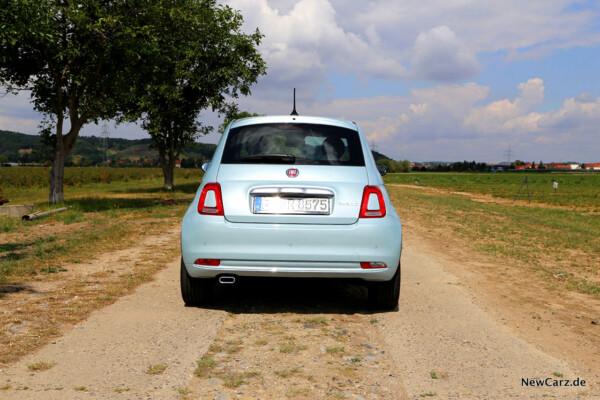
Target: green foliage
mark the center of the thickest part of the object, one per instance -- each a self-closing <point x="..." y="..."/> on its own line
<point x="395" y="166"/>
<point x="76" y="60"/>
<point x="195" y="56"/>
<point x="234" y="116"/>
<point x="459" y="166"/>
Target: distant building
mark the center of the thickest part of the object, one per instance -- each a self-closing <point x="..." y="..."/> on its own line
<point x="558" y="166"/>
<point x="592" y="166"/>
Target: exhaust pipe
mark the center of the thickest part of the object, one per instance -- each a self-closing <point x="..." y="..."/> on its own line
<point x="227" y="280"/>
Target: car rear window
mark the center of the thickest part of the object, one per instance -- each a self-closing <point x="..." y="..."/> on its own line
<point x="299" y="144"/>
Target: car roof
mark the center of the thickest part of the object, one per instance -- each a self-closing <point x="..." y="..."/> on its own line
<point x="271" y="119"/>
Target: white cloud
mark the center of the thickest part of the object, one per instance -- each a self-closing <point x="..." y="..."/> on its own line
<point x="516" y="26"/>
<point x="509" y="116"/>
<point x="306" y="43"/>
<point x="441" y="56"/>
<point x="455" y="122"/>
<point x="575" y="113"/>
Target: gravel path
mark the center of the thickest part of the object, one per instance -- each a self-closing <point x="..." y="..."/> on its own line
<point x="114" y="348"/>
<point x="440" y="330"/>
<point x="440" y="344"/>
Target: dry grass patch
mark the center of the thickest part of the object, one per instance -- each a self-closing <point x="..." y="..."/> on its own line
<point x="286" y="373"/>
<point x="205" y="364"/>
<point x="335" y="349"/>
<point x="296" y="392"/>
<point x="41" y="365"/>
<point x="215" y="348"/>
<point x="156" y="369"/>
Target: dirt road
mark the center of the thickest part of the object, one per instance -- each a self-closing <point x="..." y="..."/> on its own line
<point x="440" y="344"/>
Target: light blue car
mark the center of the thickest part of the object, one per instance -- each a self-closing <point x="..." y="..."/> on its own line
<point x="291" y="196"/>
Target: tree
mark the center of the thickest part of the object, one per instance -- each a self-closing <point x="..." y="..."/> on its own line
<point x="72" y="57"/>
<point x="516" y="163"/>
<point x="232" y="117"/>
<point x="200" y="59"/>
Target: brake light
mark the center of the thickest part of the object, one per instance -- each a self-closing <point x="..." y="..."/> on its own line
<point x="208" y="261"/>
<point x="372" y="265"/>
<point x="211" y="201"/>
<point x="373" y="205"/>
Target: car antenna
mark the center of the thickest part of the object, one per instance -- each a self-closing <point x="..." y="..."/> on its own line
<point x="294" y="112"/>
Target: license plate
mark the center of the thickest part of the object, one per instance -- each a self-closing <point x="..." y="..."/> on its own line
<point x="287" y="205"/>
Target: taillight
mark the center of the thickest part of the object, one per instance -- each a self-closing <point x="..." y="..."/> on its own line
<point x="373" y="205"/>
<point x="208" y="261"/>
<point x="211" y="201"/>
<point x="371" y="265"/>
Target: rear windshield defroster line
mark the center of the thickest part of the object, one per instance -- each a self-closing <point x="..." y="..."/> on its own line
<point x="293" y="144"/>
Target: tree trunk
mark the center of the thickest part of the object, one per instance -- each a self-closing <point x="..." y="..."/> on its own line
<point x="57" y="172"/>
<point x="166" y="152"/>
<point x="168" y="171"/>
<point x="62" y="146"/>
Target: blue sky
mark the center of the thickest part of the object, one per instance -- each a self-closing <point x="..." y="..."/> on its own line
<point x="425" y="79"/>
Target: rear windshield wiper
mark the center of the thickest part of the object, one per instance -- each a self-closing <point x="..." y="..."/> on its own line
<point x="270" y="158"/>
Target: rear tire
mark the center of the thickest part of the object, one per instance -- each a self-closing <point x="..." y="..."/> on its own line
<point x="385" y="295"/>
<point x="195" y="291"/>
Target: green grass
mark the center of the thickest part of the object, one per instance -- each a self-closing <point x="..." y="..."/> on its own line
<point x="578" y="190"/>
<point x="316" y="321"/>
<point x="104" y="212"/>
<point x="8" y="224"/>
<point x="233" y="380"/>
<point x="37" y="177"/>
<point x="204" y="365"/>
<point x="560" y="244"/>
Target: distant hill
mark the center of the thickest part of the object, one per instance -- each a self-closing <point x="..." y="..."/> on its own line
<point x="89" y="150"/>
<point x="378" y="156"/>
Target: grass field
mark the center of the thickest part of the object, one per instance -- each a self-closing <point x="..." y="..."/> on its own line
<point x="578" y="190"/>
<point x="558" y="244"/>
<point x="102" y="213"/>
<point x="58" y="251"/>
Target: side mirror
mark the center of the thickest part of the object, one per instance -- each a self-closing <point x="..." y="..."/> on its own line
<point x="205" y="166"/>
<point x="382" y="169"/>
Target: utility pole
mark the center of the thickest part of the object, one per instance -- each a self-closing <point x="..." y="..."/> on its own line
<point x="373" y="145"/>
<point x="105" y="134"/>
<point x="509" y="155"/>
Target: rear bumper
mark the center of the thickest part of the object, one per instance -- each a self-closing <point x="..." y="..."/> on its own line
<point x="291" y="250"/>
